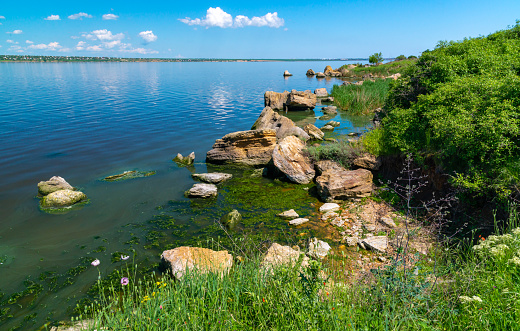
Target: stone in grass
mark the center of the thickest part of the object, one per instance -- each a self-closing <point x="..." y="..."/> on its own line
<point x="326" y="207"/>
<point x="298" y="221"/>
<point x="318" y="249"/>
<point x="62" y="199"/>
<point x="288" y="214"/>
<point x="388" y="222"/>
<point x="202" y="191"/>
<point x="376" y="243"/>
<point x="213" y="177"/>
<point x="185" y="160"/>
<point x="55" y="183"/>
<point x="231" y="219"/>
<point x="182" y="260"/>
<point x="282" y="255"/>
<point x="351" y="241"/>
<point x="328" y="215"/>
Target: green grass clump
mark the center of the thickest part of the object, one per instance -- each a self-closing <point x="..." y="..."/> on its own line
<point x="386" y="69"/>
<point x="341" y="151"/>
<point x="361" y="99"/>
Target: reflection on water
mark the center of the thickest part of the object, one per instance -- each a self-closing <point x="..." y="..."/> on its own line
<point x="86" y="121"/>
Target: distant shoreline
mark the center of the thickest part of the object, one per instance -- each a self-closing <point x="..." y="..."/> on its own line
<point x="37" y="58"/>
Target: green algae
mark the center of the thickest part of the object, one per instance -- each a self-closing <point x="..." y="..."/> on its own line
<point x="129" y="175"/>
<point x="64" y="210"/>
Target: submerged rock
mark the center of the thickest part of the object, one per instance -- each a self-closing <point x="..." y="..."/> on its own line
<point x="344" y="184"/>
<point x="288" y="157"/>
<point x="288" y="214"/>
<point x="330" y="110"/>
<point x="327" y="128"/>
<point x="313" y="132"/>
<point x="253" y="147"/>
<point x="185" y="160"/>
<point x="129" y="175"/>
<point x="213" y="177"/>
<point x="284" y="126"/>
<point x="62" y="199"/>
<point x="202" y="191"/>
<point x="321" y="92"/>
<point x="275" y="100"/>
<point x="231" y="219"/>
<point x="283" y="255"/>
<point x="318" y="249"/>
<point x="333" y="123"/>
<point x="195" y="259"/>
<point x="55" y="183"/>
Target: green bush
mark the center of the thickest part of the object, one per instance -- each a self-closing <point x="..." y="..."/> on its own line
<point x="375" y="58"/>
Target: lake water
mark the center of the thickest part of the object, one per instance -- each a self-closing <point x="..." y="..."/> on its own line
<point x="85" y="121"/>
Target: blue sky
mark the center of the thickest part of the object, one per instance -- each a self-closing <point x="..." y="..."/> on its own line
<point x="243" y="29"/>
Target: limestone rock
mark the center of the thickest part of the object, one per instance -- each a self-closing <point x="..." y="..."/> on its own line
<point x="344" y="72"/>
<point x="326" y="207"/>
<point x="333" y="123"/>
<point x="344" y="184"/>
<point x="202" y="191"/>
<point x="253" y="147"/>
<point x="320" y="75"/>
<point x="288" y="214"/>
<point x="367" y="161"/>
<point x="298" y="100"/>
<point x="231" y="219"/>
<point x="203" y="260"/>
<point x="351" y="241"/>
<point x="318" y="249"/>
<point x="388" y="222"/>
<point x="327" y="128"/>
<point x="62" y="198"/>
<point x="351" y="66"/>
<point x="298" y="221"/>
<point x="327" y="99"/>
<point x="324" y="165"/>
<point x="376" y="243"/>
<point x="282" y="255"/>
<point x="185" y="160"/>
<point x="310" y="72"/>
<point x="330" y="110"/>
<point x="321" y="92"/>
<point x="288" y="157"/>
<point x="213" y="177"/>
<point x="313" y="132"/>
<point x="55" y="183"/>
<point x="284" y="126"/>
<point x="328" y="215"/>
<point x="286" y="73"/>
<point x="275" y="100"/>
<point x="327" y="70"/>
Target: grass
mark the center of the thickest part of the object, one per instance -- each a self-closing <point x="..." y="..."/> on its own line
<point x="361" y="99"/>
<point x="386" y="69"/>
<point x="342" y="151"/>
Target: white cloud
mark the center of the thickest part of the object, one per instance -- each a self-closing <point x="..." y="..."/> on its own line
<point x="15" y="48"/>
<point x="74" y="37"/>
<point x="216" y="17"/>
<point x="148" y="36"/>
<point x="2" y="17"/>
<point x="139" y="51"/>
<point x="52" y="18"/>
<point x="79" y="16"/>
<point x="95" y="48"/>
<point x="11" y="41"/>
<point x="81" y="45"/>
<point x="29" y="42"/>
<point x="54" y="46"/>
<point x="16" y="32"/>
<point x="110" y="17"/>
<point x="112" y="44"/>
<point x="103" y="35"/>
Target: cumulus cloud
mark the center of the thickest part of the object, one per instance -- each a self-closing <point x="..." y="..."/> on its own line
<point x="81" y="45"/>
<point x="95" y="48"/>
<point x="52" y="18"/>
<point x="2" y="17"/>
<point x="54" y="46"/>
<point x="148" y="36"/>
<point x="110" y="17"/>
<point x="15" y="48"/>
<point x="11" y="41"/>
<point x="15" y="32"/>
<point x="79" y="16"/>
<point x="103" y="35"/>
<point x="29" y="42"/>
<point x="216" y="17"/>
<point x="139" y="51"/>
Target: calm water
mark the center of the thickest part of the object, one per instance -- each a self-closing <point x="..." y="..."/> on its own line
<point x="85" y="121"/>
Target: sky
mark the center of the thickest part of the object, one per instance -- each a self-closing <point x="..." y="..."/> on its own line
<point x="245" y="29"/>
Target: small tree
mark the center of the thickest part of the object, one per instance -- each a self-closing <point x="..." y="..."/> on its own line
<point x="400" y="57"/>
<point x="375" y="58"/>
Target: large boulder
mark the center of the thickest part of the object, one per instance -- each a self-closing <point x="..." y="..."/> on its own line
<point x="342" y="184"/>
<point x="55" y="183"/>
<point x="213" y="177"/>
<point x="62" y="199"/>
<point x="284" y="126"/>
<point x="202" y="191"/>
<point x="327" y="70"/>
<point x="367" y="161"/>
<point x="275" y="100"/>
<point x="301" y="100"/>
<point x="324" y="165"/>
<point x="253" y="147"/>
<point x="313" y="132"/>
<point x="278" y="255"/>
<point x="318" y="249"/>
<point x="321" y="92"/>
<point x="320" y="75"/>
<point x="310" y="72"/>
<point x="344" y="72"/>
<point x="195" y="259"/>
<point x="288" y="157"/>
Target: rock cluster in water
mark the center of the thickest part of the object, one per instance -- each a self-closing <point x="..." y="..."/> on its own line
<point x="57" y="193"/>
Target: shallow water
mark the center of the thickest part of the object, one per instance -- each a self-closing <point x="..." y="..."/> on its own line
<point x="85" y="121"/>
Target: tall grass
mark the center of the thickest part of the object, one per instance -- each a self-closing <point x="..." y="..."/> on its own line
<point x="342" y="151"/>
<point x="361" y="99"/>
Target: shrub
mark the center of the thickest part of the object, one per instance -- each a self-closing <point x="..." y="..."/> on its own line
<point x="375" y="58"/>
<point x="400" y="58"/>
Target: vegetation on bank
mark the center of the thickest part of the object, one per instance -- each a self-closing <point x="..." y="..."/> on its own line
<point x="386" y="69"/>
<point x="361" y="99"/>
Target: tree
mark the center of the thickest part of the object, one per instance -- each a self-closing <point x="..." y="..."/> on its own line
<point x="375" y="58"/>
<point x="400" y="57"/>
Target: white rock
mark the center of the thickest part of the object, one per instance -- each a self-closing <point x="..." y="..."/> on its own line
<point x="202" y="191"/>
<point x="351" y="241"/>
<point x="376" y="243"/>
<point x="289" y="214"/>
<point x="298" y="221"/>
<point x="388" y="222"/>
<point x="212" y="178"/>
<point x="329" y="207"/>
<point x="318" y="249"/>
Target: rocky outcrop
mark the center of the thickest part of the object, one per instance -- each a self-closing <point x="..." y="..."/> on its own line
<point x="344" y="72"/>
<point x="301" y="100"/>
<point x="213" y="177"/>
<point x="284" y="126"/>
<point x="327" y="70"/>
<point x="62" y="199"/>
<point x="367" y="161"/>
<point x="202" y="191"/>
<point x="195" y="259"/>
<point x="310" y="72"/>
<point x="253" y="147"/>
<point x="55" y="183"/>
<point x="321" y="92"/>
<point x="275" y="100"/>
<point x="185" y="160"/>
<point x="278" y="255"/>
<point x="286" y="73"/>
<point x="344" y="184"/>
<point x="231" y="219"/>
<point x="313" y="132"/>
<point x="288" y="158"/>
